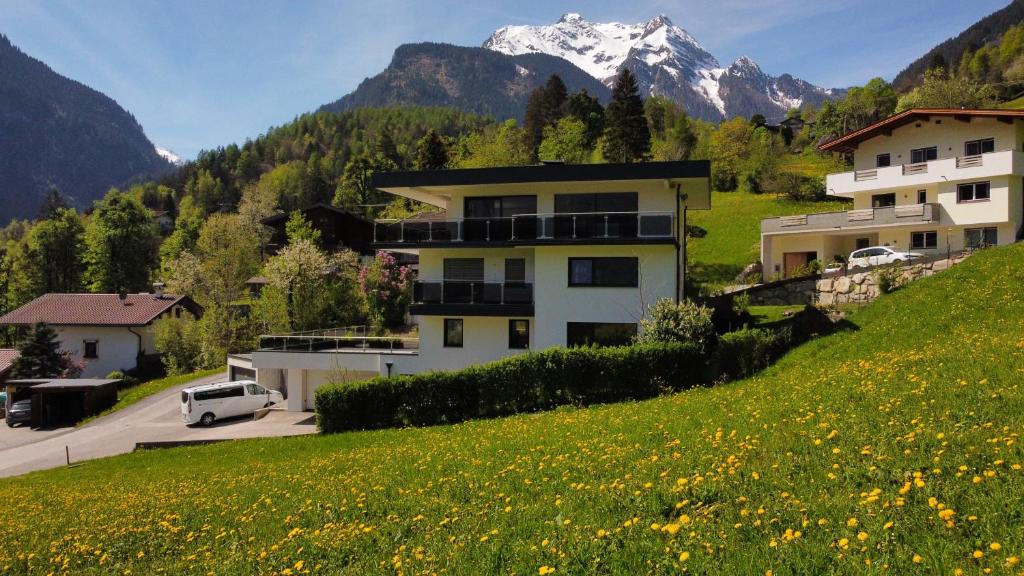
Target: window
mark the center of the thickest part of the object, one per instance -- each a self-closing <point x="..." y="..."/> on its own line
<point x="882" y="160"/>
<point x="464" y="269"/>
<point x="597" y="202"/>
<point x="453" y="332"/>
<point x="515" y="270"/>
<point x="922" y="196"/>
<point x="883" y="200"/>
<point x="973" y="192"/>
<point x="218" y="393"/>
<point x="929" y="239"/>
<point x="604" y="272"/>
<point x="519" y="334"/>
<point x="499" y="206"/>
<point x="862" y="243"/>
<point x="980" y="237"/>
<point x="923" y="154"/>
<point x="983" y="146"/>
<point x="598" y="333"/>
<point x="256" y="389"/>
<point x="90" y="349"/>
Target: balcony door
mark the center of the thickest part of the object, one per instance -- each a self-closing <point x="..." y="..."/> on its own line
<point x="596" y="215"/>
<point x="983" y="146"/>
<point x="489" y="218"/>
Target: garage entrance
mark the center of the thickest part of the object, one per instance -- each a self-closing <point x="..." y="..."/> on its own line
<point x="60" y="402"/>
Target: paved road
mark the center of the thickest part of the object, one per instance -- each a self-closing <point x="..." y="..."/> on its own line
<point x="155" y="419"/>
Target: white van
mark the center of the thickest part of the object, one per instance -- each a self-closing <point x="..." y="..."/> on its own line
<point x="211" y="402"/>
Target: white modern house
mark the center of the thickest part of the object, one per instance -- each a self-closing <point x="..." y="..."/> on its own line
<point x="519" y="258"/>
<point x="925" y="180"/>
<point x="106" y="332"/>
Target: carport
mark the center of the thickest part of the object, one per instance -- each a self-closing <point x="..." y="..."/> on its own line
<point x="63" y="400"/>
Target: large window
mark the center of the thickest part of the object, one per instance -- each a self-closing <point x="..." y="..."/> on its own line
<point x="973" y="192"/>
<point x="919" y="155"/>
<point x="604" y="272"/>
<point x="599" y="333"/>
<point x="489" y="218"/>
<point x="453" y="332"/>
<point x="519" y="334"/>
<point x="920" y="240"/>
<point x="499" y="206"/>
<point x="218" y="393"/>
<point x="983" y="146"/>
<point x="596" y="202"/>
<point x="464" y="269"/>
<point x="882" y="160"/>
<point x="883" y="200"/>
<point x="980" y="237"/>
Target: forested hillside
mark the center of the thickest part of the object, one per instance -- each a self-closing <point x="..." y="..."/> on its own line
<point x="58" y="133"/>
<point x="951" y="53"/>
<point x="473" y="79"/>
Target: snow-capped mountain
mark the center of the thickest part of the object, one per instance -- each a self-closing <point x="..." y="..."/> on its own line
<point x="667" y="61"/>
<point x="169" y="156"/>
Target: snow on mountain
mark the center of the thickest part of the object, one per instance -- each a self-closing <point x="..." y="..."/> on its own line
<point x="667" y="60"/>
<point x="169" y="156"/>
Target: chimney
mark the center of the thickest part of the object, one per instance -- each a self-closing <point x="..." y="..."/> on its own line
<point x="158" y="289"/>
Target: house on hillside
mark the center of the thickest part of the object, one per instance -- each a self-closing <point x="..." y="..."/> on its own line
<point x="524" y="258"/>
<point x="106" y="332"/>
<point x="925" y="180"/>
<point x="338" y="229"/>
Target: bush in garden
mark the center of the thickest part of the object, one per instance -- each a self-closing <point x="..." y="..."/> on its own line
<point x="685" y="321"/>
<point x="388" y="290"/>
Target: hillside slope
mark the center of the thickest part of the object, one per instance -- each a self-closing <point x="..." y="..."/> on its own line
<point x="892" y="447"/>
<point x="978" y="34"/>
<point x="471" y="79"/>
<point x="58" y="132"/>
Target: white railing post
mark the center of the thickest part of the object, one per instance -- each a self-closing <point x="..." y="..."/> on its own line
<point x="574" y="226"/>
<point x="401" y="226"/>
<point x="605" y="225"/>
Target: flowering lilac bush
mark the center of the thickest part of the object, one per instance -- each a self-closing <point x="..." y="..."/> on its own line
<point x="388" y="290"/>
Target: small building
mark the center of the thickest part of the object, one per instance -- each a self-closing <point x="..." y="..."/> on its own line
<point x="106" y="332"/>
<point x="62" y="401"/>
<point x="7" y="358"/>
<point x="338" y="229"/>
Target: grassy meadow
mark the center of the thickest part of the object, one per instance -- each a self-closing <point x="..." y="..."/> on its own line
<point x="890" y="448"/>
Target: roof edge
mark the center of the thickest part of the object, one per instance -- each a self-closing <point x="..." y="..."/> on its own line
<point x="848" y="141"/>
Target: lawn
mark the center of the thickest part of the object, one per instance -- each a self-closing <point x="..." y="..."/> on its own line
<point x="129" y="396"/>
<point x="890" y="448"/>
<point x="733" y="228"/>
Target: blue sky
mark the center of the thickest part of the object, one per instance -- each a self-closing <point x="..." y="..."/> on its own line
<point x="200" y="74"/>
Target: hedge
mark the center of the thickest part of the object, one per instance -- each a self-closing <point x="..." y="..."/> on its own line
<point x="524" y="383"/>
<point x="749" y="350"/>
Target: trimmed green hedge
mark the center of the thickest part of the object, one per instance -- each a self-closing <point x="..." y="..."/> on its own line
<point x="524" y="383"/>
<point x="749" y="350"/>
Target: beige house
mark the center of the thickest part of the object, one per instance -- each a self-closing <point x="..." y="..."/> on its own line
<point x="925" y="180"/>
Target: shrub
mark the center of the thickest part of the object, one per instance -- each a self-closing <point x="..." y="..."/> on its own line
<point x="524" y="383"/>
<point x="388" y="290"/>
<point x="685" y="321"/>
<point x="889" y="278"/>
<point x="746" y="351"/>
<point x="180" y="344"/>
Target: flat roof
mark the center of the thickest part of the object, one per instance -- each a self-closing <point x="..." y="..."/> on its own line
<point x="849" y="142"/>
<point x="432" y="186"/>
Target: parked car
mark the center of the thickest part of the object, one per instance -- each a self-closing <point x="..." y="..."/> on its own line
<point x="20" y="413"/>
<point x="878" y="255"/>
<point x="211" y="402"/>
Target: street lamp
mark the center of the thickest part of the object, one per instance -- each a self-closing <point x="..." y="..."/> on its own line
<point x="389" y="364"/>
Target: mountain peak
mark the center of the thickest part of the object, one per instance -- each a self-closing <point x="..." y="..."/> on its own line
<point x="571" y="17"/>
<point x="659" y="21"/>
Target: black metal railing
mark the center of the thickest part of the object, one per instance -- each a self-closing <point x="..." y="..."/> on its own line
<point x="464" y="292"/>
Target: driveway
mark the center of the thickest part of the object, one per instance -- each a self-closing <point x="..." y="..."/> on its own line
<point x="154" y="419"/>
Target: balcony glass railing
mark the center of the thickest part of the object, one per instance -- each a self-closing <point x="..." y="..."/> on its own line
<point x="466" y="292"/>
<point x="529" y="228"/>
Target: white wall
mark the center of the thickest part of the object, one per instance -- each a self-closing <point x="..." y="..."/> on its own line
<point x="485" y="339"/>
<point x="945" y="133"/>
<point x="117" y="348"/>
<point x="556" y="303"/>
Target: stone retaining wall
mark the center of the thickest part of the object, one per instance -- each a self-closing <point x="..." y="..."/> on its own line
<point x="860" y="287"/>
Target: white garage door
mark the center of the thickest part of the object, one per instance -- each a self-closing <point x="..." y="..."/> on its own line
<point x="316" y="379"/>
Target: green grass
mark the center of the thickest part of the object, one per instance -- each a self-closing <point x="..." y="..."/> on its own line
<point x="890" y="448"/>
<point x="771" y="314"/>
<point x="1015" y="104"/>
<point x="734" y="232"/>
<point x="130" y="396"/>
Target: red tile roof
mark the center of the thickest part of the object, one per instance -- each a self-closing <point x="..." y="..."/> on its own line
<point x="849" y="142"/>
<point x="7" y="358"/>
<point x="94" y="309"/>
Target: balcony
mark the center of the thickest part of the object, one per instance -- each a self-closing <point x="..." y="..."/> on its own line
<point x="529" y="229"/>
<point x="852" y="219"/>
<point x="353" y="339"/>
<point x="472" y="298"/>
<point x="951" y="169"/>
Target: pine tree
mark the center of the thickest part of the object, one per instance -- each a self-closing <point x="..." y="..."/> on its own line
<point x="588" y="110"/>
<point x="545" y="107"/>
<point x="53" y="202"/>
<point x="626" y="131"/>
<point x="40" y="355"/>
<point x="431" y="152"/>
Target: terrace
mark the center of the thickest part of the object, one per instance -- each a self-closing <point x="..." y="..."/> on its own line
<point x="852" y="219"/>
